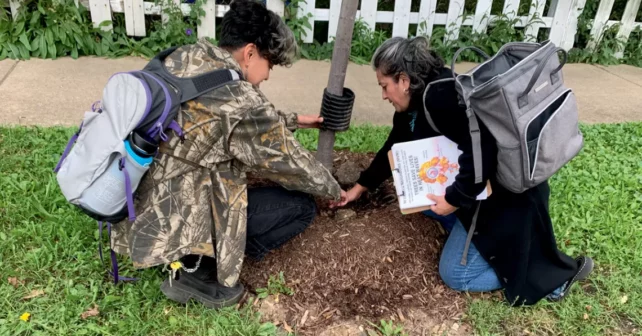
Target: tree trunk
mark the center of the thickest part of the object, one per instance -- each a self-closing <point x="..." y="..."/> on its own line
<point x="340" y="59"/>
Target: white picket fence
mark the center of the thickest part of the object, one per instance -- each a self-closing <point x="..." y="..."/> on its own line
<point x="562" y="17"/>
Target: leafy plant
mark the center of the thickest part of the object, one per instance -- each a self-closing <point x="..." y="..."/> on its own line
<point x="317" y="51"/>
<point x="297" y="23"/>
<point x="173" y="29"/>
<point x="633" y="48"/>
<point x="48" y="29"/>
<point x="501" y="30"/>
<point x="387" y="328"/>
<point x="365" y="42"/>
<point x="55" y="28"/>
<point x="275" y="286"/>
<point x="605" y="46"/>
<point x="604" y="50"/>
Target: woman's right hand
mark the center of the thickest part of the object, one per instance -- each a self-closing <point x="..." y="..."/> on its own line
<point x="352" y="195"/>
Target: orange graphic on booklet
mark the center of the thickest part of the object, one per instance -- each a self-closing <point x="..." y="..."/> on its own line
<point x="435" y="170"/>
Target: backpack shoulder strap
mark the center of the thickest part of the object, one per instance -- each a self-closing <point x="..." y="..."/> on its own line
<point x="473" y="126"/>
<point x="195" y="86"/>
<point x="191" y="87"/>
<point x="475" y="136"/>
<point x="428" y="117"/>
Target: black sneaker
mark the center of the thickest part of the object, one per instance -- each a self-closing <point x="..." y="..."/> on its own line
<point x="211" y="295"/>
<point x="586" y="265"/>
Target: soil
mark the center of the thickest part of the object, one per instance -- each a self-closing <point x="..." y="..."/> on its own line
<point x="377" y="265"/>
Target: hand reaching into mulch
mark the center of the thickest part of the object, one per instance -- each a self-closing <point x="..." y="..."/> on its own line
<point x="346" y="197"/>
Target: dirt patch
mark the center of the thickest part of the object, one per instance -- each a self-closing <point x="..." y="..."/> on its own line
<point x="379" y="264"/>
<point x="627" y="326"/>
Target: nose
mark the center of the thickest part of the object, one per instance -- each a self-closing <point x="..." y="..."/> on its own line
<point x="384" y="96"/>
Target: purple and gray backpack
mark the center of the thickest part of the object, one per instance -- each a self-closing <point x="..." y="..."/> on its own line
<point x="117" y="140"/>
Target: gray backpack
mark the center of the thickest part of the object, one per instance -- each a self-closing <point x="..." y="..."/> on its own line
<point x="520" y="96"/>
<point x="104" y="162"/>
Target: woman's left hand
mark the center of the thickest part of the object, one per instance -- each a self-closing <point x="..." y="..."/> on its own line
<point x="308" y="121"/>
<point x="442" y="208"/>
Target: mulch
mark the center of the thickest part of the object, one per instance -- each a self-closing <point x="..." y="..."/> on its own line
<point x="373" y="265"/>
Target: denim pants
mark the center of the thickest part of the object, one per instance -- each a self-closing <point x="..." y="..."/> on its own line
<point x="274" y="216"/>
<point x="477" y="275"/>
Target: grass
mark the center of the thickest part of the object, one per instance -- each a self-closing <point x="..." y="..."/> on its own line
<point x="47" y="246"/>
<point x="596" y="207"/>
<point x="52" y="248"/>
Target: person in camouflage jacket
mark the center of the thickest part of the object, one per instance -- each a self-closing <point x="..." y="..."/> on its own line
<point x="192" y="205"/>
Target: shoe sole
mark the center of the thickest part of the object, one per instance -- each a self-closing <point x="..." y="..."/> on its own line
<point x="182" y="294"/>
<point x="582" y="274"/>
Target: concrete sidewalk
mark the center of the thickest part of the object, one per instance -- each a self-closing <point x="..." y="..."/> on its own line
<point x="47" y="92"/>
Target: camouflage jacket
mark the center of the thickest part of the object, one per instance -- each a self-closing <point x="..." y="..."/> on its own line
<point x="195" y="192"/>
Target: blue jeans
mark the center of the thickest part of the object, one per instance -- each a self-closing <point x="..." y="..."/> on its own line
<point x="477" y="275"/>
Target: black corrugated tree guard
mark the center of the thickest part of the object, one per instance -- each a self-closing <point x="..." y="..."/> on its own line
<point x="336" y="108"/>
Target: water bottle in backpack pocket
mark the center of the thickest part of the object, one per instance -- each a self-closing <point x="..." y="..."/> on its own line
<point x="108" y="194"/>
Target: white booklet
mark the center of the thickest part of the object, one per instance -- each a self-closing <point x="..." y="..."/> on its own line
<point x="424" y="167"/>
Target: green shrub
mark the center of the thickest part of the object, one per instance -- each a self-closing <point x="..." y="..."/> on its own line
<point x="56" y="28"/>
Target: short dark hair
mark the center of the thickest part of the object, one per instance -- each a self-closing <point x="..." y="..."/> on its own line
<point x="248" y="21"/>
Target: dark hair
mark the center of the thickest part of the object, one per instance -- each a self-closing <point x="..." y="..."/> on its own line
<point x="248" y="21"/>
<point x="412" y="57"/>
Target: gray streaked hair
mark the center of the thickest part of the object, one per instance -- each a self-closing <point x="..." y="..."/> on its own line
<point x="411" y="57"/>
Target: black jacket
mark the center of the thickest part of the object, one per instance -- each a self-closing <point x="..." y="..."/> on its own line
<point x="514" y="232"/>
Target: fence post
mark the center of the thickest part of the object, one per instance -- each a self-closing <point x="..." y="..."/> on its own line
<point x="599" y="24"/>
<point x="536" y="12"/>
<point x="333" y="20"/>
<point x="426" y="20"/>
<point x="277" y="6"/>
<point x="628" y="18"/>
<point x="454" y="20"/>
<point x="207" y="27"/>
<point x="135" y="17"/>
<point x="510" y="8"/>
<point x="369" y="12"/>
<point x="100" y="11"/>
<point x="564" y="25"/>
<point x="552" y="9"/>
<point x="304" y="10"/>
<point x="482" y="16"/>
<point x="401" y="18"/>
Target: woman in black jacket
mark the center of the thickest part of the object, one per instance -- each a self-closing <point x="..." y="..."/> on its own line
<point x="513" y="244"/>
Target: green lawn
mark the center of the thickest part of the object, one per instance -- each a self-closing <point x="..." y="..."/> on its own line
<point x="596" y="207"/>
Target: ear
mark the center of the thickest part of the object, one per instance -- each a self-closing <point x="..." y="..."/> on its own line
<point x="249" y="52"/>
<point x="404" y="81"/>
